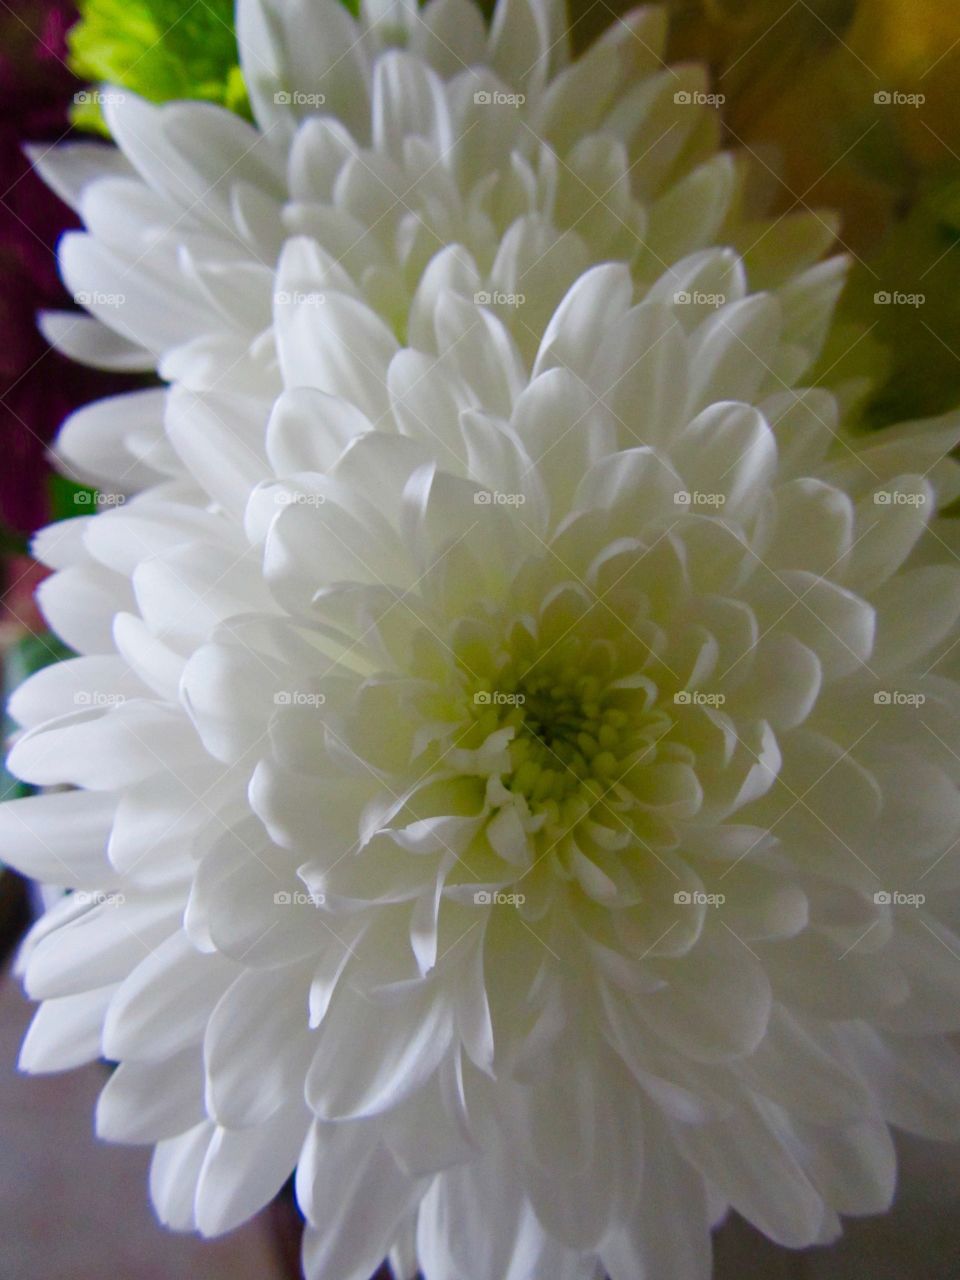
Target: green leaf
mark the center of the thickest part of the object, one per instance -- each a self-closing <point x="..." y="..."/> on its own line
<point x="28" y="654"/>
<point x="68" y="499"/>
<point x="162" y="50"/>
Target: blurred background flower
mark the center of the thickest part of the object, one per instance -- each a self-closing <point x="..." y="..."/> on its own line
<point x="853" y="106"/>
<point x="160" y="49"/>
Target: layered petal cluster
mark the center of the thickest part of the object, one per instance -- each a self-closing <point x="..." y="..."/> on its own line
<point x="379" y="141"/>
<point x="519" y="796"/>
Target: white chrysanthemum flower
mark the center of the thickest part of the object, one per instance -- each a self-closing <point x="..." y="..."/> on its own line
<point x="532" y="819"/>
<point x="381" y="141"/>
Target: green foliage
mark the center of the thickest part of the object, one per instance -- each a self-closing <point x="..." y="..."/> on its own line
<point x="918" y="261"/>
<point x="67" y="499"/>
<point x="28" y="654"/>
<point x="163" y="50"/>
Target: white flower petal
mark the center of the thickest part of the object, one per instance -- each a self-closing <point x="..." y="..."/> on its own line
<point x="339" y="346"/>
<point x="760" y="1174"/>
<point x="149" y="1101"/>
<point x="716" y="1003"/>
<point x="174" y="1173"/>
<point x="394" y="1051"/>
<point x="65" y="1032"/>
<point x="87" y="341"/>
<point x="173" y="978"/>
<point x="95" y="441"/>
<point x="60" y="839"/>
<point x="258" y="1013"/>
<point x="353" y="1236"/>
<point x="243" y="1169"/>
<point x="99" y="946"/>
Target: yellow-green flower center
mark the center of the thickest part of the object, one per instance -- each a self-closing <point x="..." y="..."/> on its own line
<point x="577" y="736"/>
